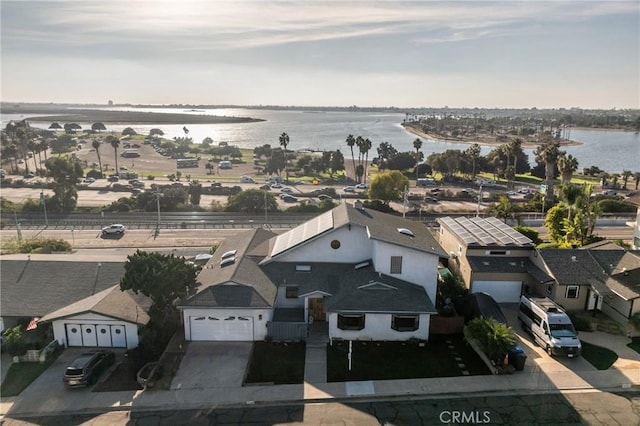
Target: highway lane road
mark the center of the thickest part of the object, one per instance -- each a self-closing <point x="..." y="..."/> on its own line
<point x="136" y="238"/>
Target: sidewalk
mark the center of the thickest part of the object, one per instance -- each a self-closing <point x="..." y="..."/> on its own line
<point x="541" y="375"/>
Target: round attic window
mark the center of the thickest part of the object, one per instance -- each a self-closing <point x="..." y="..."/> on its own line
<point x="335" y="244"/>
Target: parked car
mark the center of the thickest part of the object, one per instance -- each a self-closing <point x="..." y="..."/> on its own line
<point x="362" y="186"/>
<point x="88" y="180"/>
<point x="87" y="368"/>
<point x="136" y="183"/>
<point x="276" y="185"/>
<point x="431" y="200"/>
<point x="289" y="198"/>
<point x="113" y="179"/>
<point x="286" y="189"/>
<point x="323" y="197"/>
<point x="114" y="229"/>
<point x="434" y="190"/>
<point x="349" y="189"/>
<point x="523" y="191"/>
<point x="246" y="179"/>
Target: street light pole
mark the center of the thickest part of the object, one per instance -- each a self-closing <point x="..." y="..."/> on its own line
<point x="44" y="207"/>
<point x="157" y="232"/>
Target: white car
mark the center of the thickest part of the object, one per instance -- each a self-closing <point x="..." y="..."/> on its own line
<point x="349" y="189"/>
<point x="286" y="189"/>
<point x="114" y="229"/>
<point x="88" y="180"/>
<point x="362" y="186"/>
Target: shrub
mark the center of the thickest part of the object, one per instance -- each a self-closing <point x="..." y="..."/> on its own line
<point x="94" y="174"/>
<point x="42" y="245"/>
<point x="14" y="342"/>
<point x="494" y="338"/>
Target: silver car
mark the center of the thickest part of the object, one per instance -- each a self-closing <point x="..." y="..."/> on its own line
<point x="114" y="229"/>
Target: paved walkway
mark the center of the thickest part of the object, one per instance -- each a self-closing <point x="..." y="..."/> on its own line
<point x="541" y="374"/>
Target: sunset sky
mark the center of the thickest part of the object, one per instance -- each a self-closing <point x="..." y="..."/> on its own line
<point x="366" y="53"/>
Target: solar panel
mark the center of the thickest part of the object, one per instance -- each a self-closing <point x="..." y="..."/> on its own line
<point x="302" y="233"/>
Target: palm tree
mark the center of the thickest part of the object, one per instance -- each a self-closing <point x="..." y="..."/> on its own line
<point x="417" y="144"/>
<point x="284" y="142"/>
<point x="626" y="174"/>
<point x="32" y="146"/>
<point x="359" y="143"/>
<point x="567" y="165"/>
<point x="351" y="141"/>
<point x="115" y="143"/>
<point x="474" y="153"/>
<point x="366" y="146"/>
<point x="548" y="153"/>
<point x="96" y="145"/>
<point x="44" y="146"/>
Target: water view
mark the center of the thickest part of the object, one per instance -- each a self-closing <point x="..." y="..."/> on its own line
<point x="610" y="150"/>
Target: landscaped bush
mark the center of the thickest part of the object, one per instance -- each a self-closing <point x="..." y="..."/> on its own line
<point x="42" y="245"/>
<point x="609" y="205"/>
<point x="494" y="338"/>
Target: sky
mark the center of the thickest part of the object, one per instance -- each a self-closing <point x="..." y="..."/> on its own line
<point x="505" y="54"/>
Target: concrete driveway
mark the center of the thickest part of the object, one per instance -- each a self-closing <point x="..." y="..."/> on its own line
<point x="48" y="394"/>
<point x="207" y="365"/>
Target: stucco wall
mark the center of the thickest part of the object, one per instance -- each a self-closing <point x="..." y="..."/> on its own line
<point x="578" y="304"/>
<point x="281" y="297"/>
<point x="378" y="327"/>
<point x="417" y="267"/>
<point x="355" y="246"/>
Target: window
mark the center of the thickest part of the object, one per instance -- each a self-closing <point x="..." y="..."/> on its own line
<point x="292" y="292"/>
<point x="497" y="253"/>
<point x="405" y="322"/>
<point x="550" y="288"/>
<point x="396" y="265"/>
<point x="350" y="322"/>
<point x="572" y="292"/>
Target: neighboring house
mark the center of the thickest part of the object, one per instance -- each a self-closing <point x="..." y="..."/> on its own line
<point x="604" y="277"/>
<point x="490" y="256"/>
<point x="636" y="232"/>
<point x="367" y="274"/>
<point x="108" y="319"/>
<point x="33" y="288"/>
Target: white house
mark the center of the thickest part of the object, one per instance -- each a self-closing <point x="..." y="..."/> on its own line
<point x="367" y="274"/>
<point x="107" y="319"/>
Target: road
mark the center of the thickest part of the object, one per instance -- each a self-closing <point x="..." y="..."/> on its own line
<point x="594" y="408"/>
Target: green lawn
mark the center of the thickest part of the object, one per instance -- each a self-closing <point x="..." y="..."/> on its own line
<point x="402" y="360"/>
<point x="277" y="363"/>
<point x="22" y="374"/>
<point x="599" y="357"/>
<point x="635" y="345"/>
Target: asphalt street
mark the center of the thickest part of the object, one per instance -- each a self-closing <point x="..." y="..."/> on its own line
<point x="593" y="408"/>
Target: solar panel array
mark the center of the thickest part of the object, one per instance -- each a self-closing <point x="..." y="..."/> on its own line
<point x="485" y="232"/>
<point x="303" y="233"/>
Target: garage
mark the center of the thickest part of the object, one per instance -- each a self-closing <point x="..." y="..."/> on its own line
<point x="225" y="329"/>
<point x="96" y="335"/>
<point x="501" y="291"/>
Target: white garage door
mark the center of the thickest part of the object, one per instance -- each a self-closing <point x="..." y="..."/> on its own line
<point x="501" y="291"/>
<point x="101" y="335"/>
<point x="231" y="328"/>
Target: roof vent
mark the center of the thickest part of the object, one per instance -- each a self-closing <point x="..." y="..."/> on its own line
<point x="361" y="265"/>
<point x="229" y="253"/>
<point x="573" y="259"/>
<point x="228" y="261"/>
<point x="406" y="231"/>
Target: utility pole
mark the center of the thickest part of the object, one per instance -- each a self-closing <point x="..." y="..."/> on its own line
<point x="44" y="206"/>
<point x="265" y="208"/>
<point x="404" y="202"/>
<point x="479" y="202"/>
<point x="157" y="231"/>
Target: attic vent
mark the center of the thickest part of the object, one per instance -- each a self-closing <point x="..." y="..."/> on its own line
<point x="229" y="253"/>
<point x="361" y="265"/>
<point x="406" y="231"/>
<point x="303" y="268"/>
<point x="228" y="261"/>
<point x="513" y="264"/>
<point x="573" y="258"/>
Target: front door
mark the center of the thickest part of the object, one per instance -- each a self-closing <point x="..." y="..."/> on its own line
<point x="316" y="309"/>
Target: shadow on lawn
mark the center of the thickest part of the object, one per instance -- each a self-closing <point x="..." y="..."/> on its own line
<point x="442" y="356"/>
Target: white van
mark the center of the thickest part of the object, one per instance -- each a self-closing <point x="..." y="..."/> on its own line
<point x="549" y="325"/>
<point x="246" y="179"/>
<point x="225" y="164"/>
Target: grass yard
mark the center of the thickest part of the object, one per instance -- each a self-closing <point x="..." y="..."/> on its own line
<point x="403" y="360"/>
<point x="22" y="374"/>
<point x="635" y="345"/>
<point x="276" y="362"/>
<point x="599" y="357"/>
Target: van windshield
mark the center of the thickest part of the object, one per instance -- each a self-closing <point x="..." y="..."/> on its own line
<point x="562" y="330"/>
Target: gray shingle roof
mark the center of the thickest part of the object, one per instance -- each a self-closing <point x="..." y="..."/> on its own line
<point x="34" y="288"/>
<point x="606" y="270"/>
<point x="112" y="302"/>
<point x="241" y="283"/>
<point x="351" y="289"/>
<point x="494" y="264"/>
<point x="380" y="226"/>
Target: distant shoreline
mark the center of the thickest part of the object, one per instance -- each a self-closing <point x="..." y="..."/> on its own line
<point x="480" y="140"/>
<point x="81" y="115"/>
